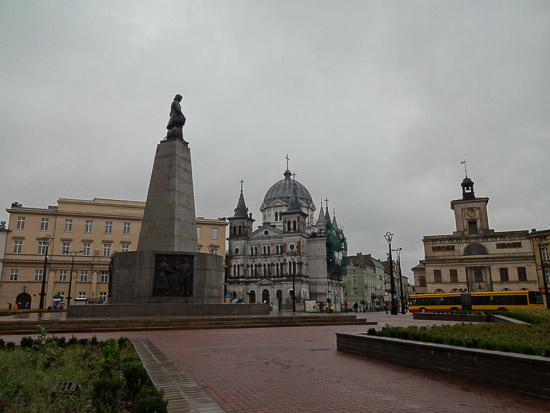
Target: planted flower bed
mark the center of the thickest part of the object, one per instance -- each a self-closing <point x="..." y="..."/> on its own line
<point x="516" y="338"/>
<point x="485" y="353"/>
<point x="52" y="374"/>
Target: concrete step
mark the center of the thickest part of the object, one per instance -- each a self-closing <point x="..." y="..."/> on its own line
<point x="91" y="325"/>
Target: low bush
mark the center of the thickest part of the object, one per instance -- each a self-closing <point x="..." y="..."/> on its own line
<point x="150" y="400"/>
<point x="109" y="374"/>
<point x="517" y="338"/>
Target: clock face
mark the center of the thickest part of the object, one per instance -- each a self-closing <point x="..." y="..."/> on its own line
<point x="471" y="212"/>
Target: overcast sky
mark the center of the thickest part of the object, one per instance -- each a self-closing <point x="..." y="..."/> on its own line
<point x="375" y="102"/>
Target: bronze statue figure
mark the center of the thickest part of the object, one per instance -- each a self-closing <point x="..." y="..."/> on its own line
<point x="177" y="120"/>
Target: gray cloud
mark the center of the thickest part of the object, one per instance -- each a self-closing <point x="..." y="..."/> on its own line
<point x="376" y="103"/>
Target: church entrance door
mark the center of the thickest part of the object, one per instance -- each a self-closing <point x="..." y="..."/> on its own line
<point x="252" y="296"/>
<point x="265" y="296"/>
<point x="280" y="297"/>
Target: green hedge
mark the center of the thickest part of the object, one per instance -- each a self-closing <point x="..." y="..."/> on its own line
<point x="109" y="374"/>
<point x="531" y="339"/>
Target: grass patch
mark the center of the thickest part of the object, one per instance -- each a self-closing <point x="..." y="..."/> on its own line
<point x="109" y="374"/>
<point x="530" y="339"/>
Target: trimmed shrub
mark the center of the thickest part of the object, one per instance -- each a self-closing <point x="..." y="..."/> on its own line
<point x="135" y="375"/>
<point x="150" y="399"/>
<point x="26" y="342"/>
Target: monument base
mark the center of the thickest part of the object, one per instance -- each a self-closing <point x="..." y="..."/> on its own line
<point x="139" y="278"/>
<point x="163" y="310"/>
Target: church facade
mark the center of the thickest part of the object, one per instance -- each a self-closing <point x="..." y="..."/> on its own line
<point x="291" y="258"/>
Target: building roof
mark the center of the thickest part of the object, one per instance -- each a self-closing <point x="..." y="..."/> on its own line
<point x="281" y="191"/>
<point x="241" y="211"/>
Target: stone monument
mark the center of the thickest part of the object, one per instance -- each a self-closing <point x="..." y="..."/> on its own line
<point x="167" y="275"/>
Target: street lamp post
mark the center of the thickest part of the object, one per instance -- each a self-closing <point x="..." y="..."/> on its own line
<point x="46" y="240"/>
<point x="73" y="255"/>
<point x="388" y="238"/>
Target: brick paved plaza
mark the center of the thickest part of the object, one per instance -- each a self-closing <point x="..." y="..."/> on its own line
<point x="297" y="369"/>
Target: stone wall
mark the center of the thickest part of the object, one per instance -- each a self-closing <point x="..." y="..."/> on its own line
<point x="175" y="310"/>
<point x="510" y="371"/>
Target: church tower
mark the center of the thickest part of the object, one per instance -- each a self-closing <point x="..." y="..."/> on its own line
<point x="240" y="225"/>
<point x="470" y="212"/>
<point x="294" y="219"/>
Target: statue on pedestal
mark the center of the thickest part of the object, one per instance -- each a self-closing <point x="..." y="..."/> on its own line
<point x="177" y="120"/>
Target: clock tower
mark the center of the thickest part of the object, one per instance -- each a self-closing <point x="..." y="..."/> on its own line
<point x="470" y="212"/>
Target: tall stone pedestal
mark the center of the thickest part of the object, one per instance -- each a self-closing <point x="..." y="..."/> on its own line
<point x="166" y="273"/>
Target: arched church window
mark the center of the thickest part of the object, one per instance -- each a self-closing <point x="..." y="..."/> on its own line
<point x="240" y="229"/>
<point x="294" y="225"/>
<point x="276" y="216"/>
<point x="288" y="226"/>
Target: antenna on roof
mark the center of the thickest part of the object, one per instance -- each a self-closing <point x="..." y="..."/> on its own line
<point x="465" y="170"/>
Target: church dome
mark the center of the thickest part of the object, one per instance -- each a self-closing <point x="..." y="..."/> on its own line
<point x="281" y="191"/>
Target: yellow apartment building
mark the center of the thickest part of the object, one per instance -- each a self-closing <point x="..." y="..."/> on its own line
<point x="79" y="238"/>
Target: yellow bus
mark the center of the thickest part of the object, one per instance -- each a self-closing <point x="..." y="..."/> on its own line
<point x="482" y="301"/>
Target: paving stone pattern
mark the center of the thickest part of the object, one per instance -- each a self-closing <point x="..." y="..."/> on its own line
<point x="182" y="393"/>
<point x="298" y="369"/>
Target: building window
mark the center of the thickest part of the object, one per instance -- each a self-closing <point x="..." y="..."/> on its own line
<point x="475" y="249"/>
<point x="86" y="246"/>
<point x="104" y="276"/>
<point x="437" y="276"/>
<point x="213" y="249"/>
<point x="13" y="275"/>
<point x="504" y="274"/>
<point x="62" y="276"/>
<point x="214" y="233"/>
<point x="472" y="227"/>
<point x="522" y="274"/>
<point x="17" y="246"/>
<point x="84" y="276"/>
<point x="544" y="253"/>
<point x="81" y="294"/>
<point x="547" y="275"/>
<point x="354" y="292"/>
<point x="478" y="275"/>
<point x="68" y="225"/>
<point x="20" y="223"/>
<point x="422" y="281"/>
<point x="126" y="228"/>
<point x="102" y="295"/>
<point x="38" y="275"/>
<point x="62" y="294"/>
<point x="125" y="247"/>
<point x="66" y="248"/>
<point x="106" y="250"/>
<point x="108" y="227"/>
<point x="88" y="227"/>
<point x="199" y="232"/>
<point x="41" y="248"/>
<point x="354" y="279"/>
<point x="453" y="276"/>
<point x="44" y="224"/>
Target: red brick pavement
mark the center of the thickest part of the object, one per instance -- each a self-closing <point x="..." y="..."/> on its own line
<point x="290" y="369"/>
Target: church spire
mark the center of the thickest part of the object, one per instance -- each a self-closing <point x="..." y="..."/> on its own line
<point x="241" y="211"/>
<point x="294" y="202"/>
<point x="334" y="222"/>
